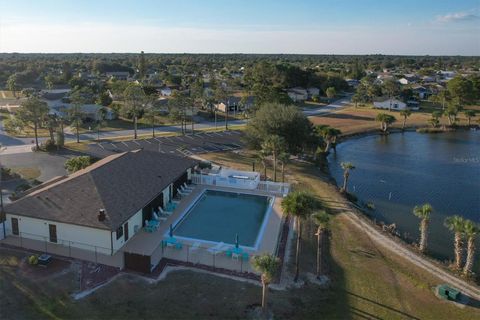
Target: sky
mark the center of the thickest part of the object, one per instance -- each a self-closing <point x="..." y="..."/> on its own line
<point x="405" y="27"/>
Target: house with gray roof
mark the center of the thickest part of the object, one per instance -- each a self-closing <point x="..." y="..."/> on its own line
<point x="99" y="208"/>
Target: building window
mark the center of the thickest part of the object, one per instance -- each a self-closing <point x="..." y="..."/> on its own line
<point x="119" y="232"/>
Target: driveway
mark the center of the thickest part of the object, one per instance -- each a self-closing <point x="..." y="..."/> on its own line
<point x="50" y="165"/>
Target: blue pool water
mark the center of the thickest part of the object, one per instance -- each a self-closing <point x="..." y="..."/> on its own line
<point x="218" y="216"/>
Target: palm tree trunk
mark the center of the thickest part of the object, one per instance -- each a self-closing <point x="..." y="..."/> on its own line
<point x="327" y="147"/>
<point x="193" y="123"/>
<point x="135" y="127"/>
<point x="35" y="129"/>
<point x="319" y="252"/>
<point x="297" y="254"/>
<point x="264" y="295"/>
<point x="153" y="127"/>
<point x="265" y="171"/>
<point x="283" y="172"/>
<point x="226" y="118"/>
<point x="423" y="235"/>
<point x="467" y="269"/>
<point x="77" y="127"/>
<point x="469" y="121"/>
<point x="458" y="250"/>
<point x="345" y="181"/>
<point x="404" y="123"/>
<point x="274" y="167"/>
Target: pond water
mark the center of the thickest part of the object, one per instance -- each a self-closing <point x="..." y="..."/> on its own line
<point x="401" y="170"/>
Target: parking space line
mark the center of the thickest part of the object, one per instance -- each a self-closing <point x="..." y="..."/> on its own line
<point x="158" y="140"/>
<point x="179" y="138"/>
<point x="123" y="142"/>
<point x="136" y="143"/>
<point x="147" y="141"/>
<point x="218" y="134"/>
<point x="190" y="137"/>
<point x="169" y="139"/>
<point x="113" y="145"/>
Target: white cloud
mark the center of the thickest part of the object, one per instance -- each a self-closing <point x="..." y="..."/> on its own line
<point x="457" y="17"/>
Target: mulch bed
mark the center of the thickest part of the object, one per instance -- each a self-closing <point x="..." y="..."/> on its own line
<point x="93" y="275"/>
<point x="38" y="271"/>
<point x="282" y="246"/>
<point x="176" y="263"/>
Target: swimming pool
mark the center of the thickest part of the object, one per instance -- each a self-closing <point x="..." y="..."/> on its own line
<point x="217" y="216"/>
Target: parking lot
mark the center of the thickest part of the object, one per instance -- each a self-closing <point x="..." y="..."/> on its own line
<point x="186" y="145"/>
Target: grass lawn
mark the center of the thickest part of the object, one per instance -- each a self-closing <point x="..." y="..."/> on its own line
<point x="368" y="282"/>
<point x="353" y="120"/>
<point x="28" y="173"/>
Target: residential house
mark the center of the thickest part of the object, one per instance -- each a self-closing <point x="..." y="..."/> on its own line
<point x="312" y="91"/>
<point x="93" y="213"/>
<point x="393" y="104"/>
<point x="354" y="83"/>
<point x="89" y="111"/>
<point x="421" y="92"/>
<point x="118" y="75"/>
<point x="235" y="103"/>
<point x="297" y="94"/>
<point x="166" y="91"/>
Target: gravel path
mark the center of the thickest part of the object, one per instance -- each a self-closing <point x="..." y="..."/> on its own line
<point x="385" y="241"/>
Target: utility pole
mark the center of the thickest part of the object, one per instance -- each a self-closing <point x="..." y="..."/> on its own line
<point x="3" y="217"/>
<point x="226" y="115"/>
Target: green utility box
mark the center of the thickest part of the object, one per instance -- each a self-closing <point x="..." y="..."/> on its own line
<point x="448" y="293"/>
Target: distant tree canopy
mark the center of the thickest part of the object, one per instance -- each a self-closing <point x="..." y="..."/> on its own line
<point x="285" y="121"/>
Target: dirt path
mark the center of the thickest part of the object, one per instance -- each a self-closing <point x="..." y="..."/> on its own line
<point x="355" y="217"/>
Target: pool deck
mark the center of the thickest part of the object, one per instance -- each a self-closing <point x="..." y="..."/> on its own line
<point x="146" y="243"/>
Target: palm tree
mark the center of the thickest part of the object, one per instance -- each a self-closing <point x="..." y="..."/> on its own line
<point x="75" y="113"/>
<point x="300" y="205"/>
<point x="267" y="265"/>
<point x="101" y="116"/>
<point x="346" y="166"/>
<point x="405" y="113"/>
<point x="274" y="145"/>
<point x="328" y="134"/>
<point x="322" y="220"/>
<point x="471" y="230"/>
<point x="469" y="114"/>
<point x="134" y="99"/>
<point x="457" y="225"/>
<point x="385" y="120"/>
<point x="435" y="119"/>
<point x="34" y="111"/>
<point x="423" y="212"/>
<point x="284" y="158"/>
<point x="262" y="157"/>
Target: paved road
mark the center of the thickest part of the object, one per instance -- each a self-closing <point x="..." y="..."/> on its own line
<point x="19" y="145"/>
<point x="332" y="107"/>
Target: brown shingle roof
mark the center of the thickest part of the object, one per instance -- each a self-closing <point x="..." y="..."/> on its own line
<point x="122" y="184"/>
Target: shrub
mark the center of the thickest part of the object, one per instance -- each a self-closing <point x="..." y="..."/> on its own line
<point x="205" y="165"/>
<point x="49" y="145"/>
<point x="78" y="163"/>
<point x="60" y="139"/>
<point x="33" y="260"/>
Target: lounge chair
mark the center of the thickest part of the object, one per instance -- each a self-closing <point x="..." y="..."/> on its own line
<point x="185" y="190"/>
<point x="156" y="217"/>
<point x="219" y="247"/>
<point x="165" y="212"/>
<point x="173" y="242"/>
<point x="186" y="186"/>
<point x="183" y="194"/>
